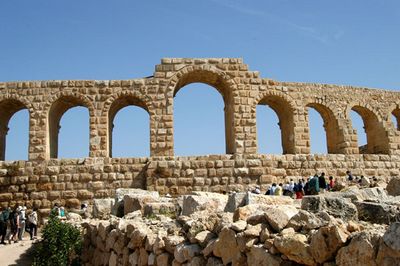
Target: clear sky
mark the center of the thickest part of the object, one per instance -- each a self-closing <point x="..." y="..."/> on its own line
<point x="339" y="42"/>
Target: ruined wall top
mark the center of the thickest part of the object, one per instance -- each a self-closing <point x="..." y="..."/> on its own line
<point x="242" y="90"/>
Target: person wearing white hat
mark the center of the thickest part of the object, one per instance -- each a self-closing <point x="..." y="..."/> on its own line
<point x="21" y="225"/>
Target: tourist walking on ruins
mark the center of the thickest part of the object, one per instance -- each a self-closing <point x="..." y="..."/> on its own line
<point x="272" y="189"/>
<point x="21" y="224"/>
<point x="33" y="221"/>
<point x="331" y="183"/>
<point x="279" y="190"/>
<point x="313" y="184"/>
<point x="4" y="220"/>
<point x="299" y="189"/>
<point x="322" y="182"/>
<point x="349" y="176"/>
<point x="14" y="223"/>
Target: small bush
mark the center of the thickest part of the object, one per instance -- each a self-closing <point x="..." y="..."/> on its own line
<point x="61" y="245"/>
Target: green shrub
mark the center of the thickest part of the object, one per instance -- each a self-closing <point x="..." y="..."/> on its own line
<point x="61" y="244"/>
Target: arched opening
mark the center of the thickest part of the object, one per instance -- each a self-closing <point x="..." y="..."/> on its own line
<point x="376" y="138"/>
<point x="317" y="132"/>
<point x="129" y="129"/>
<point x="325" y="134"/>
<point x="69" y="128"/>
<point x="14" y="122"/>
<point x="286" y="124"/>
<point x="199" y="121"/>
<point x="217" y="82"/>
<point x="268" y="131"/>
<point x="396" y="118"/>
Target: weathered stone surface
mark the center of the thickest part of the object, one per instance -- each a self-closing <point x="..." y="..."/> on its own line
<point x="393" y="187"/>
<point x="133" y="202"/>
<point x="389" y="248"/>
<point x="239" y="225"/>
<point x="204" y="237"/>
<point x="305" y="220"/>
<point x="279" y="216"/>
<point x="380" y="213"/>
<point x="203" y="201"/>
<point x="252" y="198"/>
<point x="260" y="256"/>
<point x="335" y="206"/>
<point x="235" y="200"/>
<point x="226" y="246"/>
<point x="254" y="213"/>
<point x="362" y="250"/>
<point x="102" y="208"/>
<point x="326" y="242"/>
<point x="295" y="247"/>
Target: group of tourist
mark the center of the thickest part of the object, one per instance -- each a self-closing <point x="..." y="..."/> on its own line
<point x="312" y="186"/>
<point x="14" y="223"/>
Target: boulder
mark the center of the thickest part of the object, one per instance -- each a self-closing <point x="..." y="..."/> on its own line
<point x="380" y="213"/>
<point x="134" y="202"/>
<point x="295" y="247"/>
<point x="335" y="206"/>
<point x="185" y="252"/>
<point x="235" y="200"/>
<point x="118" y="208"/>
<point x="226" y="246"/>
<point x="239" y="225"/>
<point x="389" y="249"/>
<point x="102" y="208"/>
<point x="74" y="217"/>
<point x="253" y="214"/>
<point x="306" y="221"/>
<point x="361" y="251"/>
<point x="258" y="255"/>
<point x="164" y="208"/>
<point x="393" y="187"/>
<point x="326" y="242"/>
<point x="203" y="201"/>
<point x="279" y="216"/>
<point x="252" y="198"/>
<point x="204" y="237"/>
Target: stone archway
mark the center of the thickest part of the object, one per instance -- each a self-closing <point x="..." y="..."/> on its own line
<point x="216" y="79"/>
<point x="285" y="112"/>
<point x="377" y="138"/>
<point x="61" y="104"/>
<point x="334" y="134"/>
<point x="8" y="107"/>
<point x="117" y="104"/>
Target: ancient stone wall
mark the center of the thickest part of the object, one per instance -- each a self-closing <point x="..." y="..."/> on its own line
<point x="242" y="90"/>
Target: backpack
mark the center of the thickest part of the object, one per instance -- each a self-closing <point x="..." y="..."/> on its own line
<point x="31" y="218"/>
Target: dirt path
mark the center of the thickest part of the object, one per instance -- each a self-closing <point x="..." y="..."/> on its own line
<point x="17" y="253"/>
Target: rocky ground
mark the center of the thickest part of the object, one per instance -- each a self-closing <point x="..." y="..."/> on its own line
<point x="356" y="226"/>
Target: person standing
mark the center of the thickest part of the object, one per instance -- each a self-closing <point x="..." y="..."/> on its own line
<point x="33" y="221"/>
<point x="14" y="224"/>
<point x="4" y="221"/>
<point x="322" y="182"/>
<point x="331" y="183"/>
<point x="21" y="225"/>
<point x="314" y="185"/>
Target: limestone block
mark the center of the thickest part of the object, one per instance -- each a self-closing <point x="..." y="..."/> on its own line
<point x="295" y="247"/>
<point x="260" y="256"/>
<point x="202" y="201"/>
<point x="362" y="249"/>
<point x="278" y="216"/>
<point x="102" y="208"/>
<point x="335" y="206"/>
<point x="226" y="246"/>
<point x="326" y="242"/>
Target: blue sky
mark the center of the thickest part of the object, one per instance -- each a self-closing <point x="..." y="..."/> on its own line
<point x="338" y="42"/>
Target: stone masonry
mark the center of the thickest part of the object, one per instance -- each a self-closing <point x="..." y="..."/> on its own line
<point x="44" y="179"/>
